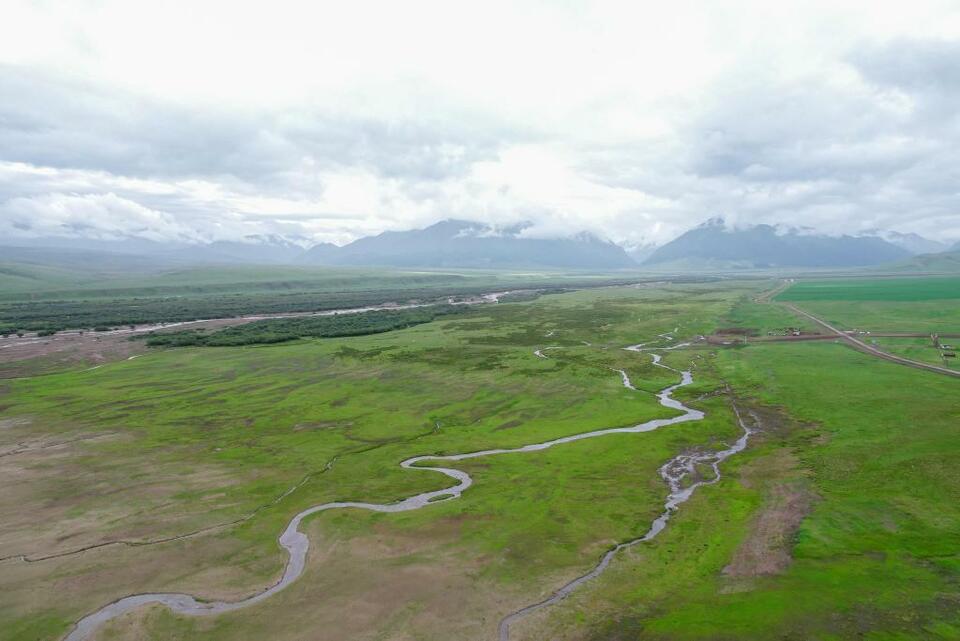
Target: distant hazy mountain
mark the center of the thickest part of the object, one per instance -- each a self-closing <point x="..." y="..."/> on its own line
<point x="55" y="250"/>
<point x="461" y="243"/>
<point x="713" y="243"/>
<point x="913" y="243"/>
<point x="322" y="254"/>
<point x="261" y="250"/>
<point x="131" y="245"/>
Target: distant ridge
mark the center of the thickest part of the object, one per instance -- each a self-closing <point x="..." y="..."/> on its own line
<point x="463" y="243"/>
<point x="913" y="243"/>
<point x="470" y="244"/>
<point x="57" y="250"/>
<point x="714" y="243"/>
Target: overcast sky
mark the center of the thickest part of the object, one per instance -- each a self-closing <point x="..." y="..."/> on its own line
<point x="329" y="121"/>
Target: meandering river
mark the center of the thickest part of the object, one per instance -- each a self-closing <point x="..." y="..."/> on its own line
<point x="674" y="472"/>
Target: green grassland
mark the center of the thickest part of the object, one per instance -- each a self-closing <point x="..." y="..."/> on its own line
<point x="206" y="436"/>
<point x="919" y="349"/>
<point x="875" y="558"/>
<point x="21" y="279"/>
<point x="762" y="319"/>
<point x="201" y="436"/>
<point x="88" y="283"/>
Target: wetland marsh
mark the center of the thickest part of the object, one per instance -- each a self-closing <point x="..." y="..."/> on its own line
<point x="211" y="451"/>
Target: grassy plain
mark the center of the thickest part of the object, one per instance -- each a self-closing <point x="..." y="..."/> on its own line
<point x="193" y="438"/>
<point x="840" y="521"/>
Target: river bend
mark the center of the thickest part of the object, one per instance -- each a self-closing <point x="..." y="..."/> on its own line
<point x="296" y="542"/>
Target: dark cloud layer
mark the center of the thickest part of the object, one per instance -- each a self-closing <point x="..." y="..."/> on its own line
<point x="47" y="120"/>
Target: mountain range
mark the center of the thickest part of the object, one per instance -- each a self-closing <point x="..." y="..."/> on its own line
<point x="913" y="243"/>
<point x="716" y="244"/>
<point x="255" y="249"/>
<point x="462" y="243"/>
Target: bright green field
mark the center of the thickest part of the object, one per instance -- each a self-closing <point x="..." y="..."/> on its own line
<point x="197" y="437"/>
<point x="924" y="317"/>
<point x="878" y="289"/>
<point x="920" y="305"/>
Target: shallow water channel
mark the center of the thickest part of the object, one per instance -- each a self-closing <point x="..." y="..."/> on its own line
<point x="674" y="472"/>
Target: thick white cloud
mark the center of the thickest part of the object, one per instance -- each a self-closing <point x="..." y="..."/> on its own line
<point x="98" y="216"/>
<point x="190" y="120"/>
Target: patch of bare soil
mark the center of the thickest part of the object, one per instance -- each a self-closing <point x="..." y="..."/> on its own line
<point x="389" y="585"/>
<point x="322" y="425"/>
<point x="32" y="444"/>
<point x="788" y="499"/>
<point x="767" y="549"/>
<point x="736" y="331"/>
<point x="58" y="498"/>
<point x="775" y="422"/>
<point x="34" y="355"/>
<point x="17" y="421"/>
<point x="87" y="581"/>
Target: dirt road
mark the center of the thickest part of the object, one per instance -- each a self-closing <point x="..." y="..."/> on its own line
<point x="869" y="349"/>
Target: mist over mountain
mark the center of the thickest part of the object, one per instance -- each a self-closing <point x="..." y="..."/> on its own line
<point x="264" y="250"/>
<point x="640" y="252"/>
<point x="913" y="243"/>
<point x="714" y="243"/>
<point x="254" y="249"/>
<point x="462" y="243"/>
<point x="449" y="243"/>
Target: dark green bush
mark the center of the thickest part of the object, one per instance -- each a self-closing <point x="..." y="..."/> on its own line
<point x="287" y="329"/>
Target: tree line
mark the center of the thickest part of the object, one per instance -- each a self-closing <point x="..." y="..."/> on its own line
<point x="281" y="330"/>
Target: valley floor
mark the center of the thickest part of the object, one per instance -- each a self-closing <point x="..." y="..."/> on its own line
<point x="177" y="471"/>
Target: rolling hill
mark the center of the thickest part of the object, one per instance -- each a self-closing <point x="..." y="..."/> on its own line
<point x="948" y="262"/>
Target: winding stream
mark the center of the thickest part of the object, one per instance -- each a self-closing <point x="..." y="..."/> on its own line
<point x="674" y="472"/>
